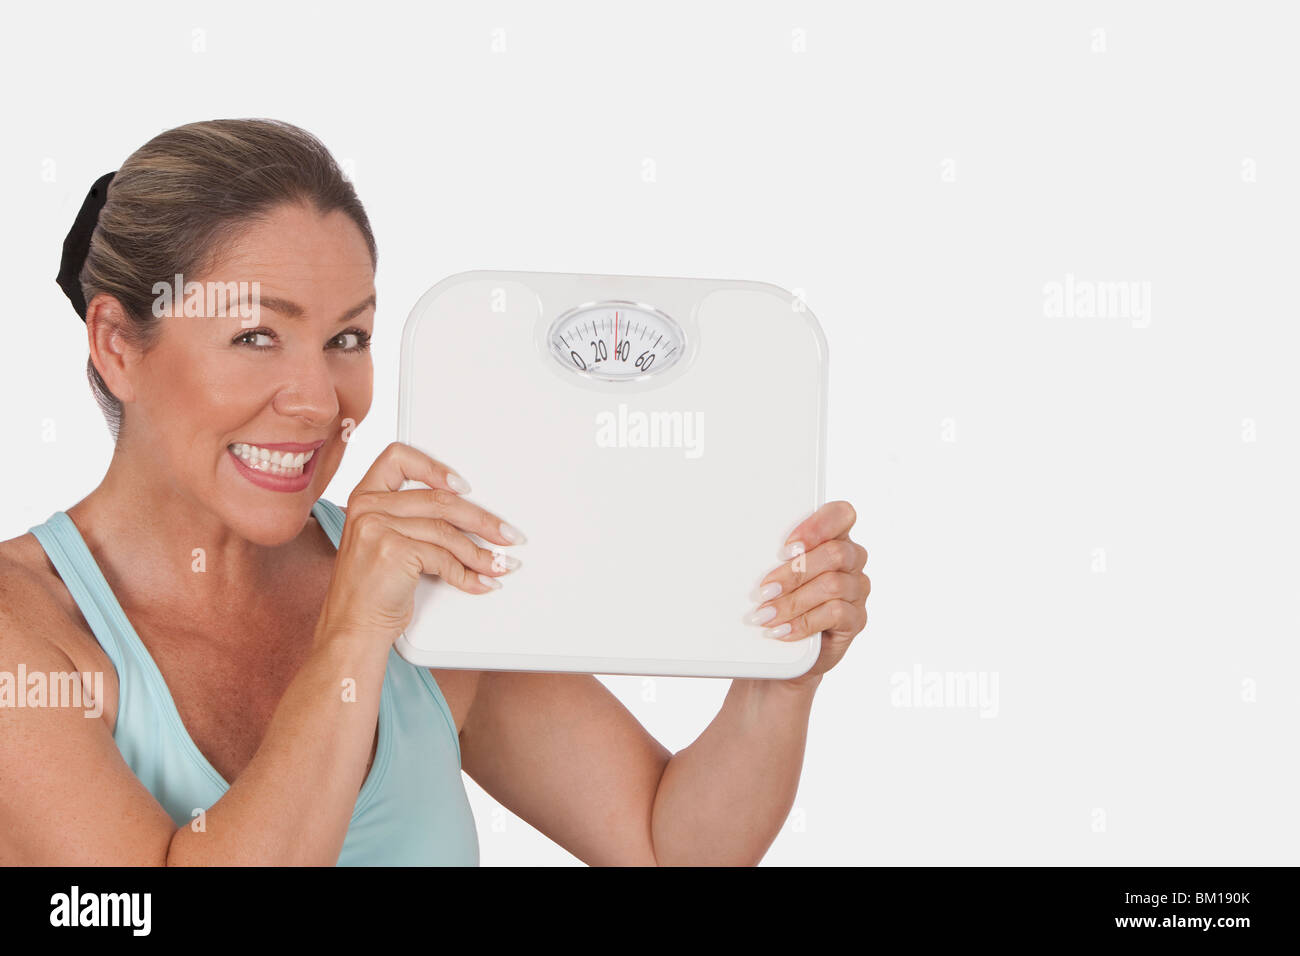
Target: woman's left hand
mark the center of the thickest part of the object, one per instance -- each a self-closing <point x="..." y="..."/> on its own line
<point x="823" y="589"/>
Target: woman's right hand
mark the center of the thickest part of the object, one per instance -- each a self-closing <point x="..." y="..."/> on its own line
<point x="392" y="536"/>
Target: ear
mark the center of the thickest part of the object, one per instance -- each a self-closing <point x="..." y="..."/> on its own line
<point x="114" y="357"/>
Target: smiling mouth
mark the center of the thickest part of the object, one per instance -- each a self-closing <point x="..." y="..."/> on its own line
<point x="284" y="464"/>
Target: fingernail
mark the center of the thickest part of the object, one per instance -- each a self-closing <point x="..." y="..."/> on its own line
<point x="504" y="562"/>
<point x="766" y="614"/>
<point x="512" y="534"/>
<point x="490" y="582"/>
<point x="457" y="483"/>
<point x="793" y="549"/>
<point x="781" y="631"/>
<point x="768" y="592"/>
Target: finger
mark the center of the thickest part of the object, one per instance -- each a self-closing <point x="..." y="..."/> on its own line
<point x="438" y="561"/>
<point x="440" y="503"/>
<point x="838" y="554"/>
<point x="444" y="534"/>
<point x="827" y="586"/>
<point x="831" y="520"/>
<point x="836" y="616"/>
<point x="423" y="547"/>
<point x="400" y="462"/>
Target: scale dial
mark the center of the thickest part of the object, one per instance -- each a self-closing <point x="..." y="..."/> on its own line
<point x="616" y="341"/>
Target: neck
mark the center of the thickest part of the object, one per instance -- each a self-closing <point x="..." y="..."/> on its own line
<point x="163" y="549"/>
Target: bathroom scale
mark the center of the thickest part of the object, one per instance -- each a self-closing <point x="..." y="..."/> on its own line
<point x="655" y="439"/>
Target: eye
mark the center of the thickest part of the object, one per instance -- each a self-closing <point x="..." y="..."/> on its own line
<point x="352" y="340"/>
<point x="257" y="338"/>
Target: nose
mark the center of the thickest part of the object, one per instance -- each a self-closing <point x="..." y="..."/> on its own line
<point x="310" y="393"/>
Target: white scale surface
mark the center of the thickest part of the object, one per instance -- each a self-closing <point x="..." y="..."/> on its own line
<point x="639" y="559"/>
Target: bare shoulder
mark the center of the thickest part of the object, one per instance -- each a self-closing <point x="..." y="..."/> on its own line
<point x="36" y="607"/>
<point x="24" y="550"/>
<point x="49" y="816"/>
<point x="26" y="575"/>
<point x="29" y="612"/>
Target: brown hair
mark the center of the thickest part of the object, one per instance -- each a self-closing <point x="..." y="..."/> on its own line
<point x="182" y="196"/>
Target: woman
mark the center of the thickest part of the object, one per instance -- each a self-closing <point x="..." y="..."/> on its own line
<point x="253" y="707"/>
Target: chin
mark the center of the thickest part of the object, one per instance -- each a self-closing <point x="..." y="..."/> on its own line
<point x="272" y="524"/>
<point x="269" y="510"/>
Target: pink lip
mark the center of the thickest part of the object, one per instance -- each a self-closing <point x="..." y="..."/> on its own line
<point x="272" y="482"/>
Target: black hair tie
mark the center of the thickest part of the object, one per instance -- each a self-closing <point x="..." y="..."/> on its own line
<point x="77" y="244"/>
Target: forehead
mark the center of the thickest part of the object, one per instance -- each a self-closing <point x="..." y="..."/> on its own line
<point x="298" y="250"/>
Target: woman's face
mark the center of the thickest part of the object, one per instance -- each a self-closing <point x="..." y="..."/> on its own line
<point x="249" y="416"/>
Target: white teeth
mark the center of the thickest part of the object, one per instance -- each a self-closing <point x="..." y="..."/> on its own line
<point x="286" y="464"/>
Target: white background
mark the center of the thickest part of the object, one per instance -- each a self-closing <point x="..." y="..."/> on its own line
<point x="920" y="172"/>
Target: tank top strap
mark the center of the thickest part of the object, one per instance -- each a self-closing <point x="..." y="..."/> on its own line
<point x="73" y="561"/>
<point x="412" y="808"/>
<point x="85" y="581"/>
<point x="68" y="552"/>
<point x="331" y="518"/>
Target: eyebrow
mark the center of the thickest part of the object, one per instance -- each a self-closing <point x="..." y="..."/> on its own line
<point x="293" y="310"/>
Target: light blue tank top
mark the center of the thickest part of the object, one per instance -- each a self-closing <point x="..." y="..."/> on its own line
<point x="412" y="809"/>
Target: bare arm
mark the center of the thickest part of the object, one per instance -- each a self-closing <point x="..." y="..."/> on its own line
<point x="66" y="794"/>
<point x="293" y="802"/>
<point x="723" y="800"/>
<point x="564" y="754"/>
<point x="68" y="798"/>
